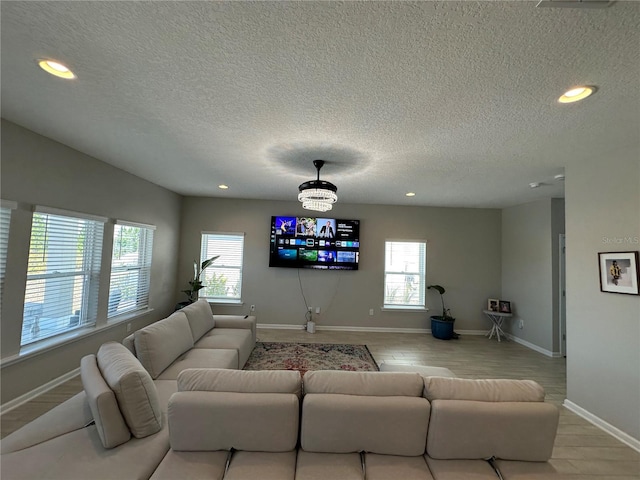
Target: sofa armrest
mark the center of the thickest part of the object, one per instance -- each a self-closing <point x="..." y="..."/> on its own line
<point x="236" y="321"/>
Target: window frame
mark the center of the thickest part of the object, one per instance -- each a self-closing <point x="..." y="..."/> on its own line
<point x="89" y="274"/>
<point x="142" y="267"/>
<point x="421" y="272"/>
<point x="219" y="264"/>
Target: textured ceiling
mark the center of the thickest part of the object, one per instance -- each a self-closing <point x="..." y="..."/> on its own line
<point x="455" y="101"/>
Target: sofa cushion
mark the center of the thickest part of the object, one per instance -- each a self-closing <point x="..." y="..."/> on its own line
<point x="159" y="344"/>
<point x="266" y="422"/>
<point x="191" y="465"/>
<point x="321" y="466"/>
<point x="200" y="318"/>
<point x="498" y="390"/>
<point x="201" y="358"/>
<point x="79" y="455"/>
<point x="262" y="465"/>
<point x="461" y="469"/>
<point x="463" y="429"/>
<point x="136" y="394"/>
<point x="239" y="338"/>
<point x="364" y="383"/>
<point x="352" y="423"/>
<point x="110" y="424"/>
<point x="240" y="381"/>
<point x="72" y="414"/>
<point x="384" y="467"/>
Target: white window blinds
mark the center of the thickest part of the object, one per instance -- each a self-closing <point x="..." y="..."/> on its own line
<point x="130" y="268"/>
<point x="5" y="220"/>
<point x="404" y="274"/>
<point x="63" y="272"/>
<point x="223" y="279"/>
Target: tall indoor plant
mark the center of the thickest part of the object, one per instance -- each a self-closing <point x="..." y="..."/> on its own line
<point x="196" y="284"/>
<point x="442" y="325"/>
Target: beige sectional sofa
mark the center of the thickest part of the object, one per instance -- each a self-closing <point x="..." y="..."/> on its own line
<point x="135" y="421"/>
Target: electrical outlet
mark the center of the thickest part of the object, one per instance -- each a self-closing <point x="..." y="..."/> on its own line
<point x="521" y="325"/>
<point x="128" y="328"/>
<point x="253" y="308"/>
<point x="317" y="310"/>
<point x="371" y="312"/>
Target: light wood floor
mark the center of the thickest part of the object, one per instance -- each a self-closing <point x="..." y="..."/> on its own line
<point x="582" y="451"/>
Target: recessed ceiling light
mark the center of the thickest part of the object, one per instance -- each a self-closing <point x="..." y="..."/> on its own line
<point x="410" y="194"/>
<point x="56" y="68"/>
<point x="576" y="94"/>
<point x="223" y="187"/>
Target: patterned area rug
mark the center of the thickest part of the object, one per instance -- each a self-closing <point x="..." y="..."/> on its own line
<point x="310" y="356"/>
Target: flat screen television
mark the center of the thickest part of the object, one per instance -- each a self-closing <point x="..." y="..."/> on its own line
<point x="314" y="242"/>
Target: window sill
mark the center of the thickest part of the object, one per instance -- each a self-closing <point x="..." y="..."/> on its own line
<point x="402" y="308"/>
<point x="50" y="344"/>
<point x="226" y="303"/>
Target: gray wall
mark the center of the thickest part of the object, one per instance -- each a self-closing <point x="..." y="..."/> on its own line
<point x="463" y="254"/>
<point x="603" y="329"/>
<point x="529" y="270"/>
<point x="39" y="171"/>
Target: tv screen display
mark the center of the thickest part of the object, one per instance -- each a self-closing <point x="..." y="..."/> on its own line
<point x="314" y="242"/>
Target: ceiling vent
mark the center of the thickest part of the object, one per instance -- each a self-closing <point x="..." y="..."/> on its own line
<point x="575" y="3"/>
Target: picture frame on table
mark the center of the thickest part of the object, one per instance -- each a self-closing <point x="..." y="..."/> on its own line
<point x="492" y="304"/>
<point x="619" y="272"/>
<point x="504" y="306"/>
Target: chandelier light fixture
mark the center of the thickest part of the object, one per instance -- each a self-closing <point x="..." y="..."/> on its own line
<point x="318" y="195"/>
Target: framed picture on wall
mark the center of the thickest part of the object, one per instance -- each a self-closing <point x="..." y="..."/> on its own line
<point x="619" y="272"/>
<point x="504" y="306"/>
<point x="492" y="304"/>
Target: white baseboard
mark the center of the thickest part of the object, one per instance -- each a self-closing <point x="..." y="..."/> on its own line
<point x="340" y="328"/>
<point x="22" y="399"/>
<point x="533" y="346"/>
<point x="605" y="426"/>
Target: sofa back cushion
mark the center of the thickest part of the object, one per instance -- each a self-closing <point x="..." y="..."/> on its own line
<point x="217" y="409"/>
<point x="240" y="381"/>
<point x="491" y="390"/>
<point x="111" y="426"/>
<point x="200" y="318"/>
<point x="467" y="429"/>
<point x="158" y="345"/>
<point x="135" y="392"/>
<point x="364" y="383"/>
<point x="389" y="425"/>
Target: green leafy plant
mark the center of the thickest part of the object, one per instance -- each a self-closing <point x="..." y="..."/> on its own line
<point x="446" y="313"/>
<point x="196" y="283"/>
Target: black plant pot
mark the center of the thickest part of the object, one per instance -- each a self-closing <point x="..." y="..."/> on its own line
<point x="441" y="328"/>
<point x="182" y="305"/>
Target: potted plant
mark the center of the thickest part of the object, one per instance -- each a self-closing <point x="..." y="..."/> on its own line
<point x="442" y="325"/>
<point x="196" y="284"/>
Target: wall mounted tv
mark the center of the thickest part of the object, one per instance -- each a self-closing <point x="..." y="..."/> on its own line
<point x="314" y="242"/>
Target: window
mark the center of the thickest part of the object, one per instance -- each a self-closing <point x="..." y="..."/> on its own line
<point x="223" y="279"/>
<point x="5" y="220"/>
<point x="63" y="272"/>
<point x="404" y="274"/>
<point x="130" y="268"/>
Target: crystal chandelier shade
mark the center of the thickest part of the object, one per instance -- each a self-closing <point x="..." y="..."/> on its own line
<point x="318" y="195"/>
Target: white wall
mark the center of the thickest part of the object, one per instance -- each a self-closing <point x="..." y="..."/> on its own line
<point x="463" y="254"/>
<point x="39" y="171"/>
<point x="603" y="329"/>
<point x="530" y="270"/>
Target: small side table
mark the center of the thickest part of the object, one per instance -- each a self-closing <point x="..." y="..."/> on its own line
<point x="496" y="318"/>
